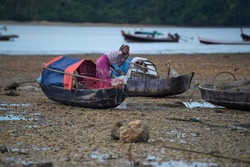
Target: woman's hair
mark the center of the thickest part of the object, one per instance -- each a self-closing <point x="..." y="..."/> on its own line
<point x="123" y="46"/>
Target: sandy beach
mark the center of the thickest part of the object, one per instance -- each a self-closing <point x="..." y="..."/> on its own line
<point x="74" y="136"/>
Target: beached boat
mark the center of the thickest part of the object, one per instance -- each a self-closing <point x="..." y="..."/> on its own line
<point x="73" y="81"/>
<point x="8" y="37"/>
<point x="238" y="98"/>
<point x="142" y="79"/>
<point x="212" y="41"/>
<point x="244" y="36"/>
<point x="154" y="36"/>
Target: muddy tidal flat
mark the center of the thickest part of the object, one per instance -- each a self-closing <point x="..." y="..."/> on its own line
<point x="36" y="130"/>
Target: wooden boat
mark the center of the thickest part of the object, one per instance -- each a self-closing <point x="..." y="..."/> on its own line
<point x="235" y="99"/>
<point x="211" y="41"/>
<point x="245" y="37"/>
<point x="7" y="37"/>
<point x="148" y="37"/>
<point x="159" y="87"/>
<point x="72" y="81"/>
<point x="143" y="80"/>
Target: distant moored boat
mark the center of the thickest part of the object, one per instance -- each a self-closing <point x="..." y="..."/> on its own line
<point x="245" y="37"/>
<point x="140" y="36"/>
<point x="212" y="41"/>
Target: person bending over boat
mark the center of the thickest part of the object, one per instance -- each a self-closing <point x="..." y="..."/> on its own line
<point x="106" y="61"/>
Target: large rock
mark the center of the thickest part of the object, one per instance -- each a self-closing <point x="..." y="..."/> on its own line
<point x="134" y="132"/>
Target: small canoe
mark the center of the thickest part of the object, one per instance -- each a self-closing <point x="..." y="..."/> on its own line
<point x="148" y="37"/>
<point x="211" y="41"/>
<point x="72" y="81"/>
<point x="142" y="79"/>
<point x="159" y="87"/>
<point x="235" y="99"/>
<point x="7" y="37"/>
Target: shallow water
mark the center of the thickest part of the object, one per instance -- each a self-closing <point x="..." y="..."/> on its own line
<point x="148" y="106"/>
<point x="35" y="39"/>
<point x="202" y="104"/>
<point x="15" y="105"/>
<point x="155" y="161"/>
<point x="11" y="117"/>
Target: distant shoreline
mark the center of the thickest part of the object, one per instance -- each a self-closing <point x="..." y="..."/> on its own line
<point x="132" y="55"/>
<point x="51" y="23"/>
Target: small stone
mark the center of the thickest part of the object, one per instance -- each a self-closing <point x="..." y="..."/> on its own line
<point x="3" y="149"/>
<point x="44" y="164"/>
<point x="12" y="93"/>
<point x="12" y="86"/>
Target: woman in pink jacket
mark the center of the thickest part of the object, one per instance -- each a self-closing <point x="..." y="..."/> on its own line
<point x="106" y="61"/>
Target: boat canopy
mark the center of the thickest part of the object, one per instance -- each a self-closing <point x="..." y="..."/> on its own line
<point x="59" y="71"/>
<point x="148" y="33"/>
<point x="137" y="67"/>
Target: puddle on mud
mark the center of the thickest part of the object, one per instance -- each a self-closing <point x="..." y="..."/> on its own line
<point x="154" y="161"/>
<point x="17" y="161"/>
<point x="148" y="106"/>
<point x="3" y="109"/>
<point x="202" y="104"/>
<point x="11" y="117"/>
<point x="29" y="149"/>
<point x="15" y="105"/>
<point x="100" y="157"/>
<point x="240" y="127"/>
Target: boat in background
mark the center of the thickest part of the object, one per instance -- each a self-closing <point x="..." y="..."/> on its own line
<point x="73" y="82"/>
<point x="7" y="37"/>
<point x="245" y="37"/>
<point x="141" y="36"/>
<point x="212" y="41"/>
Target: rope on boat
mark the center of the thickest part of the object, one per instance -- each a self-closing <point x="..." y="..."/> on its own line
<point x="194" y="89"/>
<point x="76" y="75"/>
<point x="223" y="72"/>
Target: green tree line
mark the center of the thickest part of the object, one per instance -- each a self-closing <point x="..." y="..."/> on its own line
<point x="159" y="12"/>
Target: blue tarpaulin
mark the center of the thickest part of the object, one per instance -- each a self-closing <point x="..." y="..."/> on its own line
<point x="50" y="78"/>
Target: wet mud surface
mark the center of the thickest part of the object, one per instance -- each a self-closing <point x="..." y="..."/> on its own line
<point x="184" y="129"/>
